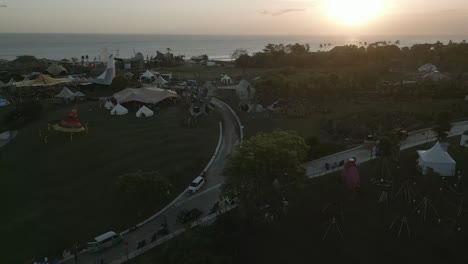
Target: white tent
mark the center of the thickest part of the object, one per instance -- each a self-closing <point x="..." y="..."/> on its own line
<point x="109" y="74"/>
<point x="427" y="68"/>
<point x="147" y="95"/>
<point x="109" y="105"/>
<point x="438" y="160"/>
<point x="56" y="69"/>
<point x="79" y="94"/>
<point x="148" y="75"/>
<point x="119" y="110"/>
<point x="4" y="102"/>
<point x="66" y="94"/>
<point x="464" y="140"/>
<point x="160" y="80"/>
<point x="144" y="112"/>
<point x="245" y="91"/>
<point x="70" y="78"/>
<point x="226" y="79"/>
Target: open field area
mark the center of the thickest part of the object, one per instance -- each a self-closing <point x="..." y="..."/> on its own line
<point x="364" y="223"/>
<point x="63" y="192"/>
<point x="311" y="125"/>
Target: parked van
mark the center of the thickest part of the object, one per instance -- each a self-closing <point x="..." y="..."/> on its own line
<point x="196" y="184"/>
<point x="104" y="241"/>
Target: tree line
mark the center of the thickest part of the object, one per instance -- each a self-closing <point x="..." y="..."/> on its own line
<point x="449" y="57"/>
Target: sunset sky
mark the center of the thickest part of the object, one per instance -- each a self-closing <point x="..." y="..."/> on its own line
<point x="259" y="17"/>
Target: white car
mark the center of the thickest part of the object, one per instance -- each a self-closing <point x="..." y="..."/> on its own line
<point x="196" y="184"/>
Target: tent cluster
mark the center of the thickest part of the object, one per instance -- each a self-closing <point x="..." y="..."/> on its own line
<point x="120" y="110"/>
<point x="436" y="159"/>
<point x="430" y="71"/>
<point x="11" y="83"/>
<point x="41" y="81"/>
<point x="150" y="95"/>
<point x="154" y="77"/>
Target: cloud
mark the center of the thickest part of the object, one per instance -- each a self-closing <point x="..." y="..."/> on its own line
<point x="281" y="12"/>
<point x="289" y="10"/>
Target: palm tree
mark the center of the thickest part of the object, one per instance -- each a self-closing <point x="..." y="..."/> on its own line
<point x="397" y="42"/>
<point x="321" y="46"/>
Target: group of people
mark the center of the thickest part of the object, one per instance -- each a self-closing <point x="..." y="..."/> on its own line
<point x="335" y="164"/>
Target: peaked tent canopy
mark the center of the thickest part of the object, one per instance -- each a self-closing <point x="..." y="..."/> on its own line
<point x="42" y="80"/>
<point x="119" y="110"/>
<point x="144" y="112"/>
<point x="150" y="95"/>
<point x="108" y="75"/>
<point x="66" y="94"/>
<point x="160" y="80"/>
<point x="437" y="159"/>
<point x="56" y="70"/>
<point x="226" y="79"/>
<point x="148" y="75"/>
<point x="109" y="105"/>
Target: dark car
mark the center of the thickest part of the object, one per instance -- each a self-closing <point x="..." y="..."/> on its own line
<point x="186" y="216"/>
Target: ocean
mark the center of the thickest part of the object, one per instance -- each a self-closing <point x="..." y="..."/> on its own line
<point x="60" y="46"/>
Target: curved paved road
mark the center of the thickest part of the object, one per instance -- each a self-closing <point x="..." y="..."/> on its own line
<point x="203" y="200"/>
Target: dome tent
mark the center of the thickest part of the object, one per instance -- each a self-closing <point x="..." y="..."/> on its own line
<point x="144" y="112"/>
<point x="119" y="110"/>
<point x="428" y="68"/>
<point x="56" y="70"/>
<point x="437" y="159"/>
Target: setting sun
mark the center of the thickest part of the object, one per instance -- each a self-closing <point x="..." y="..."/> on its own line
<point x="355" y="12"/>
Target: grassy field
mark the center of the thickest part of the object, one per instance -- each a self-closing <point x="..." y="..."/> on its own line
<point x="297" y="238"/>
<point x="338" y="109"/>
<point x="63" y="192"/>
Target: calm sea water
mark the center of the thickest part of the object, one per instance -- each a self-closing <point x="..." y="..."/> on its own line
<point x="59" y="46"/>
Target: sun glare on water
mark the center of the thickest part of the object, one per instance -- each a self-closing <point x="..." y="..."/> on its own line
<point x="355" y="12"/>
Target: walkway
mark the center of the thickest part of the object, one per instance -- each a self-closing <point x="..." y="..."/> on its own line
<point x="203" y="200"/>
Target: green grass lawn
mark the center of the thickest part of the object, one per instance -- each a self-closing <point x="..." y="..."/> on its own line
<point x="297" y="238"/>
<point x="63" y="192"/>
<point x="338" y="109"/>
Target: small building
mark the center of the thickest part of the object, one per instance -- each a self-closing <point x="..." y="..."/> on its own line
<point x="226" y="79"/>
<point x="436" y="159"/>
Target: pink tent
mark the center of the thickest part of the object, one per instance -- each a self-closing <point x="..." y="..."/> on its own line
<point x="350" y="176"/>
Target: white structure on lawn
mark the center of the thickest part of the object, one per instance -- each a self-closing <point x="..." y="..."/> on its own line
<point x="437" y="159"/>
<point x="226" y="79"/>
<point x="144" y="112"/>
<point x="119" y="110"/>
<point x="109" y="105"/>
<point x="428" y="68"/>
